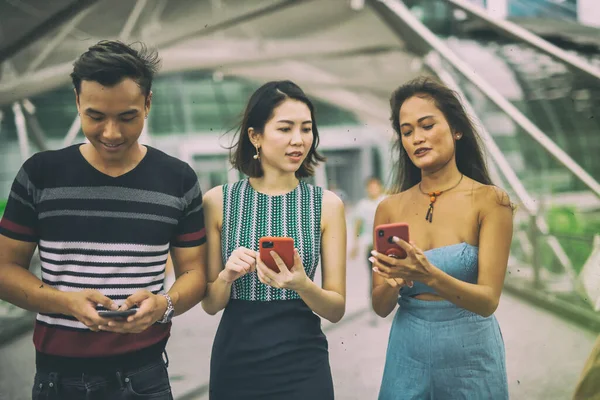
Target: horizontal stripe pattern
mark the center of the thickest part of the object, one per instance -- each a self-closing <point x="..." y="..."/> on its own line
<point x="11" y="226"/>
<point x="68" y="323"/>
<point x="22" y="179"/>
<point x="114" y="247"/>
<point x="103" y="259"/>
<point x="117" y="270"/>
<point x="21" y="200"/>
<point x="106" y="214"/>
<point x="112" y="193"/>
<point x="111" y="234"/>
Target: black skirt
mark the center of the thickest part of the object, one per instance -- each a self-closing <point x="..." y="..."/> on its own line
<point x="270" y="350"/>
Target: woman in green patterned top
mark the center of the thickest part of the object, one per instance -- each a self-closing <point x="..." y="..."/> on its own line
<point x="269" y="344"/>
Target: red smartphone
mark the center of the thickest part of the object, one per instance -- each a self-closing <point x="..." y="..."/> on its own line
<point x="383" y="239"/>
<point x="283" y="246"/>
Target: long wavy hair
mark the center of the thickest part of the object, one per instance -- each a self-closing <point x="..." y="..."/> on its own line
<point x="469" y="150"/>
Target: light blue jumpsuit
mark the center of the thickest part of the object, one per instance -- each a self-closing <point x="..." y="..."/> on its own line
<point x="440" y="351"/>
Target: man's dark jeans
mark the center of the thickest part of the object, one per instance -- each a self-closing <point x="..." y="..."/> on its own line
<point x="150" y="381"/>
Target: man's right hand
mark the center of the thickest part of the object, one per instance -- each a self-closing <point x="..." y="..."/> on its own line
<point x="82" y="305"/>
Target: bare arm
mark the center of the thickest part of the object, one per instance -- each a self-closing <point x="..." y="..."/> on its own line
<point x="22" y="288"/>
<point x="384" y="297"/>
<point x="218" y="290"/>
<point x="330" y="301"/>
<point x="190" y="272"/>
<point x="495" y="236"/>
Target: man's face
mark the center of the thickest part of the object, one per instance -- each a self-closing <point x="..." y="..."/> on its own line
<point x="112" y="118"/>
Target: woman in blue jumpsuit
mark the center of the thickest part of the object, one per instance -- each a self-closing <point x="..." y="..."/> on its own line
<point x="445" y="342"/>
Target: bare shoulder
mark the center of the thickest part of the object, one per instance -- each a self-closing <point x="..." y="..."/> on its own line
<point x="393" y="201"/>
<point x="331" y="200"/>
<point x="213" y="196"/>
<point x="333" y="211"/>
<point x="490" y="198"/>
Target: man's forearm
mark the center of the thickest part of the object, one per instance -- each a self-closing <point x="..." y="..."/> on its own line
<point x="23" y="289"/>
<point x="187" y="291"/>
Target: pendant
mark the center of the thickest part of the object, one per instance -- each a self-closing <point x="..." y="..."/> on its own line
<point x="432" y="198"/>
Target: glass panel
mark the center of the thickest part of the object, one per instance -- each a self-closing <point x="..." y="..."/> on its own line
<point x="559" y="100"/>
<point x="568" y="209"/>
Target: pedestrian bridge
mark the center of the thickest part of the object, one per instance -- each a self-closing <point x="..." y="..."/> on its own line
<point x="532" y="91"/>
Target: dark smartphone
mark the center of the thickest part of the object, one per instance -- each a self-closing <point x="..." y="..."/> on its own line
<point x="117" y="314"/>
<point x="383" y="239"/>
<point x="283" y="246"/>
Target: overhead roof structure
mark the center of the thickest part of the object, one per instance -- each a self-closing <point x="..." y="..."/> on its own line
<point x="24" y="21"/>
<point x="339" y="50"/>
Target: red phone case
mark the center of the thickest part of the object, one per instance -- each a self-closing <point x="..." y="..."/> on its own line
<point x="383" y="239"/>
<point x="283" y="246"/>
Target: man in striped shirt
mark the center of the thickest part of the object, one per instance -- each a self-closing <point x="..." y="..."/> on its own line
<point x="104" y="215"/>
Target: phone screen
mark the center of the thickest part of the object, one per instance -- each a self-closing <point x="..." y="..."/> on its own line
<point x="117" y="314"/>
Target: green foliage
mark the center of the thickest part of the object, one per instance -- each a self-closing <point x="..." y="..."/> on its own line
<point x="575" y="232"/>
<point x="2" y="206"/>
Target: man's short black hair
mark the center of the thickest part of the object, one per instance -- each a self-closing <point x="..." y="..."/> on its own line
<point x="109" y="62"/>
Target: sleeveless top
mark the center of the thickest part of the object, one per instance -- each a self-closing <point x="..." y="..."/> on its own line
<point x="457" y="260"/>
<point x="249" y="215"/>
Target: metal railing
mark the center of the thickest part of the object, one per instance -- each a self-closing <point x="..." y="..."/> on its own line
<point x="440" y="59"/>
<point x="510" y="29"/>
<point x="428" y="41"/>
<point x="501" y="166"/>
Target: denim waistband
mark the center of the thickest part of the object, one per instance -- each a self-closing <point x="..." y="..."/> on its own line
<point x="69" y="366"/>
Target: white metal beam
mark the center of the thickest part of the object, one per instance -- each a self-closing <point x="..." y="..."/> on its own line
<point x="214" y="54"/>
<point x="371" y="109"/>
<point x="21" y="131"/>
<point x="153" y="23"/>
<point x="57" y="75"/>
<point x="58" y="39"/>
<point x="405" y="17"/>
<point x="72" y="132"/>
<point x="132" y="20"/>
<point x="515" y="31"/>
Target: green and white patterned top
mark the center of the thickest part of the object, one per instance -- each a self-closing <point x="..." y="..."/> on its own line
<point x="249" y="215"/>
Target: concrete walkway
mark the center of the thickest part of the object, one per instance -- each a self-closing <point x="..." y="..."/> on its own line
<point x="545" y="354"/>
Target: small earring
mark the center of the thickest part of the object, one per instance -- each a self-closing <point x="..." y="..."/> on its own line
<point x="257" y="155"/>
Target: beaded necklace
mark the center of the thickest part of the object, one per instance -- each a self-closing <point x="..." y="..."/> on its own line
<point x="433" y="197"/>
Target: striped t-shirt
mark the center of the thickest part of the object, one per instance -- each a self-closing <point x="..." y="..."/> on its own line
<point x="98" y="232"/>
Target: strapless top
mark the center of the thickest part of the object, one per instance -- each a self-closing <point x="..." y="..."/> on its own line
<point x="457" y="260"/>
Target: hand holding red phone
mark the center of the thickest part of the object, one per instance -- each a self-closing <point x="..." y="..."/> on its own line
<point x="240" y="262"/>
<point x="415" y="267"/>
<point x="293" y="278"/>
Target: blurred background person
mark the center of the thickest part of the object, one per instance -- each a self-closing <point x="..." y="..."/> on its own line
<point x="363" y="215"/>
